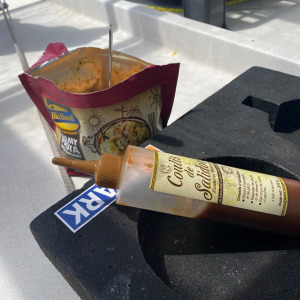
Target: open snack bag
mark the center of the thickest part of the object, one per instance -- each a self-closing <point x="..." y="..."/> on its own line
<point x="71" y="90"/>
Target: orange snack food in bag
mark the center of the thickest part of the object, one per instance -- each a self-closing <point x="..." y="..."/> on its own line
<point x="71" y="90"/>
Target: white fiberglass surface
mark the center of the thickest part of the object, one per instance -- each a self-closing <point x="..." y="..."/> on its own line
<point x="30" y="184"/>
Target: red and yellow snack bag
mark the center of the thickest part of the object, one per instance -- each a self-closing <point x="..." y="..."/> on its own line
<point x="70" y="89"/>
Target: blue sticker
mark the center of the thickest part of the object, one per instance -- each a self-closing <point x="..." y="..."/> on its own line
<point x="79" y="211"/>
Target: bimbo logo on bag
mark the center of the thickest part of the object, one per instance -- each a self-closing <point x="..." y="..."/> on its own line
<point x="63" y="118"/>
<point x="68" y="134"/>
<point x="79" y="211"/>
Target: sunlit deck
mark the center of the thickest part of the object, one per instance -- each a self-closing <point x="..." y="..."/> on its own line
<point x="260" y="33"/>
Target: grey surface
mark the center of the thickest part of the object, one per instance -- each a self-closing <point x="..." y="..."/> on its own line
<point x="208" y="11"/>
<point x="196" y="258"/>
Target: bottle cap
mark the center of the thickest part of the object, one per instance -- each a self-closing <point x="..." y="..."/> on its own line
<point x="106" y="170"/>
<point x="109" y="171"/>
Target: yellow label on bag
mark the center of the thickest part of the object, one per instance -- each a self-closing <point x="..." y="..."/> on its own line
<point x="220" y="184"/>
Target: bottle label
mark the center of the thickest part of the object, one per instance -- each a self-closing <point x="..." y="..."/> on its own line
<point x="217" y="183"/>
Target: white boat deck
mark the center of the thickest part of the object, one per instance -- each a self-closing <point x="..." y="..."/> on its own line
<point x="260" y="33"/>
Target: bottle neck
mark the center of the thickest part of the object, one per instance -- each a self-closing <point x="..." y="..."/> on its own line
<point x="108" y="173"/>
<point x="106" y="170"/>
<point x="88" y="167"/>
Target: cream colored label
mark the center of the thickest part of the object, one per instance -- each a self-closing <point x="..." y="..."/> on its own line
<point x="220" y="184"/>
